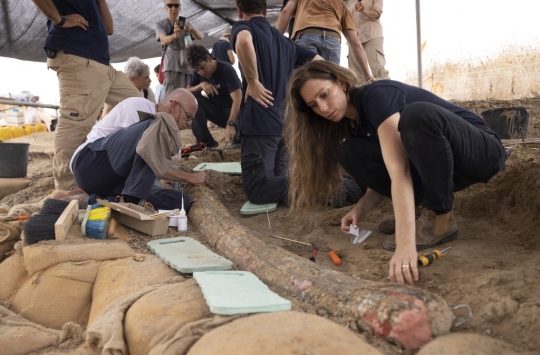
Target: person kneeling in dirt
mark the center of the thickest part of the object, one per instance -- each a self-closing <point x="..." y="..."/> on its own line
<point x="220" y="102"/>
<point x="396" y="141"/>
<point x="127" y="162"/>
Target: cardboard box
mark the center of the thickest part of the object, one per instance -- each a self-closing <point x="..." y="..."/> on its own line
<point x="138" y="218"/>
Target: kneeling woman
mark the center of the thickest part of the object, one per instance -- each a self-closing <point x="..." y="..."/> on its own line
<point x="397" y="141"/>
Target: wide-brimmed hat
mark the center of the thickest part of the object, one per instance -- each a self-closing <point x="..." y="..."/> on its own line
<point x="227" y="31"/>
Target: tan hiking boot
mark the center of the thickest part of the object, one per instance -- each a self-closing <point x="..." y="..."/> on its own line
<point x="388" y="226"/>
<point x="431" y="230"/>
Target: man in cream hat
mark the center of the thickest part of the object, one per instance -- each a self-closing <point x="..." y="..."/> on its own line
<point x="222" y="49"/>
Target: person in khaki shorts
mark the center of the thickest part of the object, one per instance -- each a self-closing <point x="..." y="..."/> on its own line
<point x="77" y="48"/>
<point x="367" y="19"/>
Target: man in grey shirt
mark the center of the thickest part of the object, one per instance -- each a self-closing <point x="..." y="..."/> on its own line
<point x="173" y="35"/>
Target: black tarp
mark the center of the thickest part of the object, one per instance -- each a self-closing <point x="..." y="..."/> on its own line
<point x="23" y="27"/>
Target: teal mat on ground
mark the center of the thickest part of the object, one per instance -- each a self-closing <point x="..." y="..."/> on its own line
<point x="251" y="208"/>
<point x="238" y="292"/>
<point x="233" y="168"/>
<point x="187" y="255"/>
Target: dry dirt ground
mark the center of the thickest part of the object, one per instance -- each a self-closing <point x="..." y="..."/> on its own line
<point x="493" y="267"/>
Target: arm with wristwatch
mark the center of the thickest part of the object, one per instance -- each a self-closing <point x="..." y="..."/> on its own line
<point x="68" y="21"/>
<point x="231" y="128"/>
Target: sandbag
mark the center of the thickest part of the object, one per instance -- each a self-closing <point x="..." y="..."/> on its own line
<point x="11" y="186"/>
<point x="282" y="333"/>
<point x="119" y="284"/>
<point x="464" y="343"/>
<point x="169" y="320"/>
<point x="12" y="276"/>
<point x="47" y="253"/>
<point x="9" y="235"/>
<point x="58" y="295"/>
<point x="19" y="336"/>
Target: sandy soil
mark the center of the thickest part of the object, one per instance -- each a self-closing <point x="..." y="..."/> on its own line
<point x="493" y="267"/>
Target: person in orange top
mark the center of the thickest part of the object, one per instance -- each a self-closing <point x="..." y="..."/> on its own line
<point x="326" y="40"/>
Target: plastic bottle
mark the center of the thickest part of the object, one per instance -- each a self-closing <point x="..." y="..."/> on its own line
<point x="182" y="219"/>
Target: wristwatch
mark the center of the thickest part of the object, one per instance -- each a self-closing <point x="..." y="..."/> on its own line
<point x="62" y="21"/>
<point x="231" y="123"/>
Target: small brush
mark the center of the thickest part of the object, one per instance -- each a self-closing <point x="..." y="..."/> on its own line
<point x="96" y="221"/>
<point x="41" y="225"/>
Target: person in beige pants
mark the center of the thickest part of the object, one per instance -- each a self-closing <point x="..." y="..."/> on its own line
<point x="367" y="19"/>
<point x="77" y="48"/>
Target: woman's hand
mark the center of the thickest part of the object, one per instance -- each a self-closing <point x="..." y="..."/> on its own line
<point x="353" y="217"/>
<point x="404" y="264"/>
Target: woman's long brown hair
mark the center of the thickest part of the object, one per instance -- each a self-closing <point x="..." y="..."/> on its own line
<point x="313" y="141"/>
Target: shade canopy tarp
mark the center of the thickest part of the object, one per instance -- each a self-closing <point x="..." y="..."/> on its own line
<point x="23" y="28"/>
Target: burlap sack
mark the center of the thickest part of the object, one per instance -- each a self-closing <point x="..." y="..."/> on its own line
<point x="47" y="253"/>
<point x="58" y="295"/>
<point x="12" y="276"/>
<point x="9" y="235"/>
<point x="20" y="336"/>
<point x="10" y="186"/>
<point x="169" y="320"/>
<point x="477" y="344"/>
<point x="119" y="284"/>
<point x="117" y="278"/>
<point x="282" y="333"/>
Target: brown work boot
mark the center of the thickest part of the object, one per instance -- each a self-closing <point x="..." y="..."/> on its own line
<point x="388" y="226"/>
<point x="431" y="230"/>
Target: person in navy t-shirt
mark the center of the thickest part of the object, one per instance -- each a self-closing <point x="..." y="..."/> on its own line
<point x="222" y="48"/>
<point x="217" y="88"/>
<point x="397" y="141"/>
<point x="267" y="58"/>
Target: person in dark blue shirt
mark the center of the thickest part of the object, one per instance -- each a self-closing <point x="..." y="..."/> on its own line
<point x="217" y="88"/>
<point x="397" y="141"/>
<point x="222" y="48"/>
<point x="77" y="48"/>
<point x="267" y="59"/>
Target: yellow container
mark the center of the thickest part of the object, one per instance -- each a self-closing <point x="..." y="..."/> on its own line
<point x="41" y="127"/>
<point x="5" y="133"/>
<point x="17" y="131"/>
<point x="30" y="129"/>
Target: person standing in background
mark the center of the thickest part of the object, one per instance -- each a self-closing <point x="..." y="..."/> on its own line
<point x="77" y="49"/>
<point x="160" y="90"/>
<point x="367" y="18"/>
<point x="139" y="75"/>
<point x="318" y="25"/>
<point x="173" y="35"/>
<point x="222" y="48"/>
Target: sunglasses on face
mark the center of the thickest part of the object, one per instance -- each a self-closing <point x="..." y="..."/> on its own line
<point x="173" y="5"/>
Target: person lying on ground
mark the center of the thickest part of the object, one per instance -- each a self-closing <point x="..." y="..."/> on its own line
<point x="127" y="162"/>
<point x="398" y="141"/>
<point x="267" y="59"/>
<point x="222" y="96"/>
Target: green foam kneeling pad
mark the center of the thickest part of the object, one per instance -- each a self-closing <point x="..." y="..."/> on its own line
<point x="251" y="208"/>
<point x="188" y="255"/>
<point x="238" y="292"/>
<point x="233" y="168"/>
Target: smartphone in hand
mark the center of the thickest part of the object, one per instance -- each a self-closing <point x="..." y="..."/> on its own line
<point x="181" y="22"/>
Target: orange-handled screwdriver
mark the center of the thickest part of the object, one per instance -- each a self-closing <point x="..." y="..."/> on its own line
<point x="15" y="218"/>
<point x="335" y="258"/>
<point x="427" y="259"/>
